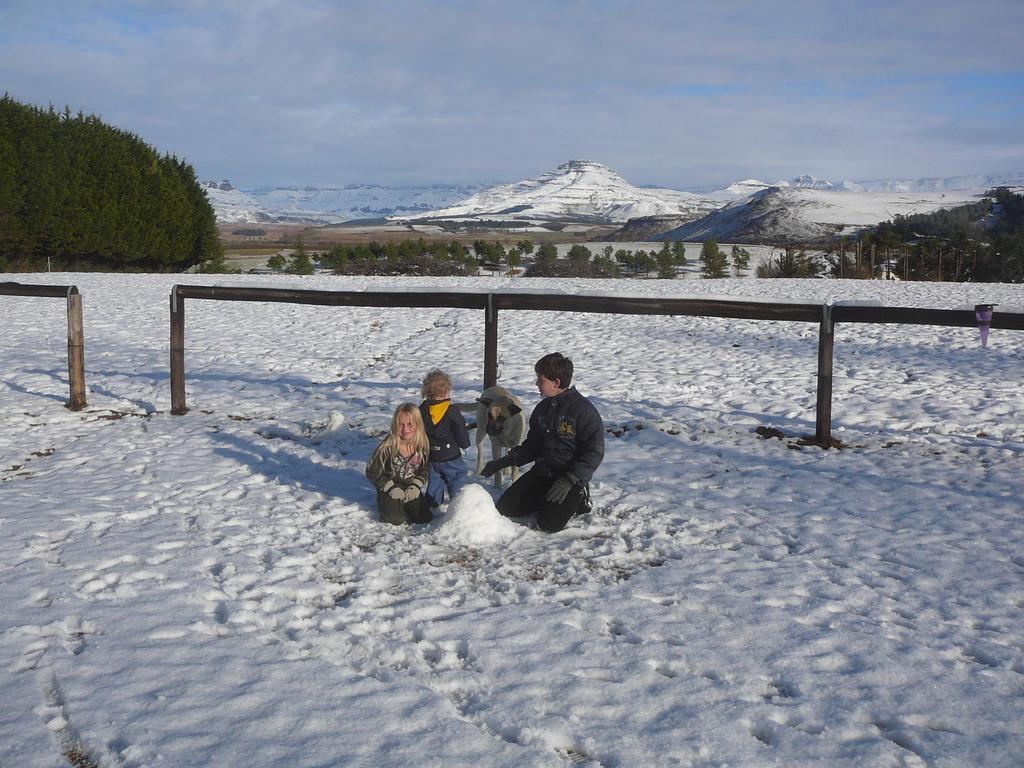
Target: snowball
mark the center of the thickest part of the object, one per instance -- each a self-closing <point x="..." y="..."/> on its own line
<point x="473" y="519"/>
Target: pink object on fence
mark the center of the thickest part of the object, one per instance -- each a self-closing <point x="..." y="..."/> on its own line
<point x="983" y="314"/>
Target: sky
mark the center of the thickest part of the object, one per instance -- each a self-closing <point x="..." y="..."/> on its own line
<point x="666" y="93"/>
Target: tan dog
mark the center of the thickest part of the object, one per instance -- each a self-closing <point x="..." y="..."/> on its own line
<point x="499" y="415"/>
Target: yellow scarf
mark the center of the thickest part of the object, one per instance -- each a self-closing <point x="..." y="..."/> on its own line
<point x="438" y="410"/>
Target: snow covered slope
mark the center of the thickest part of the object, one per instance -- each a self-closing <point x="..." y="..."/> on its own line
<point x="233" y="206"/>
<point x="977" y="182"/>
<point x="580" y="190"/>
<point x="584" y="191"/>
<point x="329" y="205"/>
<point x="215" y="589"/>
<point x="792" y="213"/>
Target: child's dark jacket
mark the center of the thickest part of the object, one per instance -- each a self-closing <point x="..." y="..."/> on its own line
<point x="566" y="437"/>
<point x="448" y="435"/>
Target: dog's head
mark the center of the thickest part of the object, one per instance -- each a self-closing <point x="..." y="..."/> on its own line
<point x="500" y="411"/>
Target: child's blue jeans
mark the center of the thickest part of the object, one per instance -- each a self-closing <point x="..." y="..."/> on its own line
<point x="452" y="475"/>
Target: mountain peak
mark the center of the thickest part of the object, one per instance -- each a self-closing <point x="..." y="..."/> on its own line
<point x="583" y="165"/>
<point x="807" y="181"/>
<point x="578" y="189"/>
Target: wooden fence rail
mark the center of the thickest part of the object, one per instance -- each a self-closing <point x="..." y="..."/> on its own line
<point x="825" y="315"/>
<point x="76" y="332"/>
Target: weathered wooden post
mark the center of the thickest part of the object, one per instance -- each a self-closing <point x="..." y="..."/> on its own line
<point x="490" y="343"/>
<point x="823" y="415"/>
<point x="76" y="351"/>
<point x="178" y="406"/>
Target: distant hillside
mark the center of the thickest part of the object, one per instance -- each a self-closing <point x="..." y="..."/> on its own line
<point x="800" y="214"/>
<point x="330" y="205"/>
<point x="588" y="193"/>
<point x="86" y="195"/>
<point x="578" y="191"/>
<point x="646" y="228"/>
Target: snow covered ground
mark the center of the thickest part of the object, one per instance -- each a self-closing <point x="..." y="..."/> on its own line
<point x="214" y="589"/>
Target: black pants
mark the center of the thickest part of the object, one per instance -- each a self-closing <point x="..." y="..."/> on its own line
<point x="400" y="512"/>
<point x="527" y="494"/>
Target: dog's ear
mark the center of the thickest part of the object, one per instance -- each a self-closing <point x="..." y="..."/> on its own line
<point x="485" y="401"/>
<point x="513" y="409"/>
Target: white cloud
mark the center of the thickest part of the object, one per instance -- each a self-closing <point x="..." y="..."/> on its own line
<point x="664" y="92"/>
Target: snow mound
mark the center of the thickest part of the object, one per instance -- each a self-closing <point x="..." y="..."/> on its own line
<point x="473" y="519"/>
<point x="334" y="422"/>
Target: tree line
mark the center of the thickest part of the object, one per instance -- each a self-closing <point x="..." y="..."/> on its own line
<point x="422" y="257"/>
<point x="978" y="242"/>
<point x="78" y="194"/>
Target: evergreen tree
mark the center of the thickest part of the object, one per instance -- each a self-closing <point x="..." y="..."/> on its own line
<point x="679" y="251"/>
<point x="740" y="260"/>
<point x="712" y="261"/>
<point x="644" y="262"/>
<point x="546" y="254"/>
<point x="579" y="260"/>
<point x="666" y="263"/>
<point x="85" y="194"/>
<point x="625" y="261"/>
<point x="515" y="258"/>
<point x="299" y="263"/>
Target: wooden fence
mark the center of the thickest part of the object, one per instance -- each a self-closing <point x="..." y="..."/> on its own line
<point x="825" y="315"/>
<point x="76" y="333"/>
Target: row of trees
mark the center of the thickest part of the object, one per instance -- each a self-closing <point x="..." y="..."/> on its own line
<point x="979" y="242"/>
<point x="79" y="194"/>
<point x="422" y="257"/>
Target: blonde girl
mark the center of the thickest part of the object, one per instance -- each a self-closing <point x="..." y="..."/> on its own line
<point x="398" y="469"/>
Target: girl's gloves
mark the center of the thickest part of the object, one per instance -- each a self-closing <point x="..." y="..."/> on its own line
<point x="398" y="493"/>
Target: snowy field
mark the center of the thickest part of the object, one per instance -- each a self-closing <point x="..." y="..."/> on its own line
<point x="214" y="589"/>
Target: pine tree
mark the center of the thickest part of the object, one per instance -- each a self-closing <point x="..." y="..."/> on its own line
<point x="515" y="259"/>
<point x="712" y="261"/>
<point x="300" y="263"/>
<point x="666" y="263"/>
<point x="86" y="194"/>
<point x="579" y="260"/>
<point x="679" y="251"/>
<point x="546" y="254"/>
<point x="740" y="260"/>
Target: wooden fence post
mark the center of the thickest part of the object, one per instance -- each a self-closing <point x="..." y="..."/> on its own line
<point x="823" y="414"/>
<point x="76" y="351"/>
<point x="178" y="406"/>
<point x="490" y="343"/>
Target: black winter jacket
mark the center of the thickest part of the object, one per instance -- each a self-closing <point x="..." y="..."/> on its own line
<point x="448" y="436"/>
<point x="566" y="436"/>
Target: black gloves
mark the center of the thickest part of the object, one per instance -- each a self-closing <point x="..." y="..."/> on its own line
<point x="495" y="464"/>
<point x="560" y="488"/>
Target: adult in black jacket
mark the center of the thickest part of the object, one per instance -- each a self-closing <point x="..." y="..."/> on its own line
<point x="566" y="443"/>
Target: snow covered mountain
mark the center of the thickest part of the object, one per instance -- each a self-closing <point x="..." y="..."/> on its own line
<point x="579" y="190"/>
<point x="751" y="210"/>
<point x="778" y="214"/>
<point x="978" y="182"/>
<point x="329" y="205"/>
